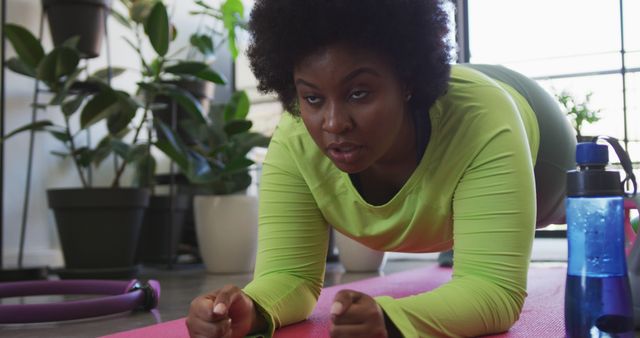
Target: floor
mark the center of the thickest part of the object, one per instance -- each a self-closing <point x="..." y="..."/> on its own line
<point x="183" y="283"/>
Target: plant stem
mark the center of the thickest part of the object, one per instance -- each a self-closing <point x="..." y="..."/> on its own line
<point x="147" y="105"/>
<point x="72" y="146"/>
<point x="116" y="180"/>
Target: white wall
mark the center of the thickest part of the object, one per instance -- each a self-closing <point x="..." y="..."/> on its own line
<point x="42" y="246"/>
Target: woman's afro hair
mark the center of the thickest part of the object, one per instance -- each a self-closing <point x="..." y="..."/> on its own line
<point x="410" y="33"/>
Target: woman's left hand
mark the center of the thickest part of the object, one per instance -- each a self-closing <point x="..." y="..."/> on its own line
<point x="355" y="314"/>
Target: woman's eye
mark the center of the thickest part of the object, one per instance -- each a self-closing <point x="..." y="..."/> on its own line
<point x="359" y="94"/>
<point x="312" y="99"/>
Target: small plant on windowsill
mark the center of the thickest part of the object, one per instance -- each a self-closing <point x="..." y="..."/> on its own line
<point x="579" y="112"/>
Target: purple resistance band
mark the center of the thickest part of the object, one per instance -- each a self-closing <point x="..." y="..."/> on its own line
<point x="121" y="296"/>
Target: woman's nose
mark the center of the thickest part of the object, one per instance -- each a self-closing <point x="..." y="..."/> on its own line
<point x="336" y="120"/>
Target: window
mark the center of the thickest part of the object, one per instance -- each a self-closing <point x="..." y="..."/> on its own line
<point x="572" y="45"/>
<point x="581" y="46"/>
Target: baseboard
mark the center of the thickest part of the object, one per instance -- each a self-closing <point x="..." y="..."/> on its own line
<point x="38" y="258"/>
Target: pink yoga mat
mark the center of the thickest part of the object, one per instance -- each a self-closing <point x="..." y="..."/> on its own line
<point x="542" y="315"/>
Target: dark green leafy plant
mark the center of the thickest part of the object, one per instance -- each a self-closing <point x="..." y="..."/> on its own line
<point x="97" y="102"/>
<point x="159" y="73"/>
<point x="578" y="111"/>
<point x="216" y="160"/>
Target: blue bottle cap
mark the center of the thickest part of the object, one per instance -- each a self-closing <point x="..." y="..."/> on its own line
<point x="590" y="153"/>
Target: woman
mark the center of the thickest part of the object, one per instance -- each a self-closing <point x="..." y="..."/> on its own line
<point x="393" y="147"/>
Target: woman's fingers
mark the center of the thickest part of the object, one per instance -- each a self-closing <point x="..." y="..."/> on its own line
<point x="351" y="307"/>
<point x="224" y="300"/>
<point x="355" y="314"/>
<point x="207" y="329"/>
<point x="201" y="307"/>
<point x="343" y="300"/>
<point x="208" y="315"/>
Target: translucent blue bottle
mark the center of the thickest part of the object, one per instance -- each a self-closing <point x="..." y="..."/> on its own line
<point x="598" y="299"/>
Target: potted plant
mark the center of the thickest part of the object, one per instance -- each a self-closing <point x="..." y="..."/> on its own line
<point x="217" y="27"/>
<point x="356" y="257"/>
<point x="98" y="227"/>
<point x="217" y="164"/>
<point x="579" y="112"/>
<point x="161" y="89"/>
<point x="83" y="18"/>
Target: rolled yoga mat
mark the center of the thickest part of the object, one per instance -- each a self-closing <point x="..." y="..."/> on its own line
<point x="542" y="316"/>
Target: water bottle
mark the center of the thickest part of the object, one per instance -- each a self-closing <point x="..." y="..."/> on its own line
<point x="598" y="299"/>
<point x="634" y="279"/>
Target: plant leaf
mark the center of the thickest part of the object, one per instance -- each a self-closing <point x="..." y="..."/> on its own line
<point x="122" y="19"/>
<point x="27" y="46"/>
<point x="197" y="131"/>
<point x="119" y="120"/>
<point x="203" y="43"/>
<point x="72" y="42"/>
<point x="64" y="91"/>
<point x="239" y="163"/>
<point x="18" y="66"/>
<point x="99" y="107"/>
<point x="187" y="101"/>
<point x="187" y="67"/>
<point x="138" y="152"/>
<point x="35" y="126"/>
<point x="60" y="154"/>
<point x="173" y="32"/>
<point x="203" y="4"/>
<point x="209" y="74"/>
<point x="247" y="141"/>
<point x="232" y="13"/>
<point x="237" y="126"/>
<point x="102" y="150"/>
<point x="60" y="135"/>
<point x="145" y="171"/>
<point x="83" y="156"/>
<point x="103" y="74"/>
<point x="157" y="28"/>
<point x="120" y="148"/>
<point x="238" y="106"/>
<point x="171" y="146"/>
<point x="71" y="106"/>
<point x="198" y="69"/>
<point x="60" y="62"/>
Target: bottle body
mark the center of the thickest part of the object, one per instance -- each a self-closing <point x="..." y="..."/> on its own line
<point x="597" y="296"/>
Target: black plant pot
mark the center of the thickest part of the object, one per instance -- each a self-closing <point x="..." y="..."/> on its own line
<point x="200" y="89"/>
<point x="98" y="230"/>
<point x="159" y="237"/>
<point x="84" y="18"/>
<point x="584" y="138"/>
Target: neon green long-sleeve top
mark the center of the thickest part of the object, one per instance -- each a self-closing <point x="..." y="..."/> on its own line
<point x="473" y="190"/>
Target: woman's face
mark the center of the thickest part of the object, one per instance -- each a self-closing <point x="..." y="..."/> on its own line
<point x="355" y="108"/>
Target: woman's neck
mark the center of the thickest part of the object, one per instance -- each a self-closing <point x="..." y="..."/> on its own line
<point x="382" y="181"/>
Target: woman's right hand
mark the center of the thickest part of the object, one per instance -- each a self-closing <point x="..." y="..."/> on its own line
<point x="226" y="312"/>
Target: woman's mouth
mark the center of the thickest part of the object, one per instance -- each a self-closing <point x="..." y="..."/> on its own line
<point x="344" y="152"/>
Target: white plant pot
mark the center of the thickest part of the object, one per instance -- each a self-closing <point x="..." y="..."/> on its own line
<point x="356" y="257"/>
<point x="227" y="230"/>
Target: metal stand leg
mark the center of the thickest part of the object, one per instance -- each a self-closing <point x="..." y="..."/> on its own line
<point x="27" y="188"/>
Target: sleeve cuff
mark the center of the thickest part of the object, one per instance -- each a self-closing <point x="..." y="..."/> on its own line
<point x="397" y="316"/>
<point x="271" y="327"/>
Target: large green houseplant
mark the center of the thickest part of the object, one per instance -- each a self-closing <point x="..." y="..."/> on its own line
<point x="216" y="164"/>
<point x="172" y="89"/>
<point x="98" y="227"/>
<point x="579" y="112"/>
